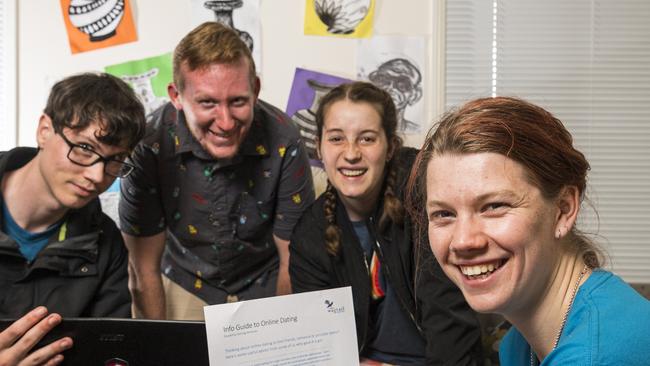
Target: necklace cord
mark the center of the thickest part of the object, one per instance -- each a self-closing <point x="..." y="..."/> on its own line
<point x="566" y="314"/>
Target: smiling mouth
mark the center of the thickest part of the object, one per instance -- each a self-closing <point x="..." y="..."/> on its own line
<point x="84" y="191"/>
<point x="352" y="172"/>
<point x="481" y="271"/>
<point x="221" y="134"/>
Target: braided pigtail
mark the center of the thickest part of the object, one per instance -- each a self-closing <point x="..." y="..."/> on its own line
<point x="393" y="208"/>
<point x="332" y="232"/>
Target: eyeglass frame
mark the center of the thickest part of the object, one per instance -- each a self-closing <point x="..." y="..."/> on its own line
<point x="101" y="158"/>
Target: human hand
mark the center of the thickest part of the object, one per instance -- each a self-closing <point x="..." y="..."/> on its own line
<point x="283" y="286"/>
<point x="20" y="337"/>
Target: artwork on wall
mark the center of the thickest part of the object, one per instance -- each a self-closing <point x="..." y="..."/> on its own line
<point x="149" y="78"/>
<point x="339" y="18"/>
<point x="306" y="91"/>
<point x="396" y="64"/>
<point x="241" y="15"/>
<point x="8" y="75"/>
<point x="94" y="24"/>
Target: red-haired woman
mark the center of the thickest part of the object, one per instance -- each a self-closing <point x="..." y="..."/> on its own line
<point x="501" y="185"/>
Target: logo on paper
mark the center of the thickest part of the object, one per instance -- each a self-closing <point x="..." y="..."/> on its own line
<point x="329" y="306"/>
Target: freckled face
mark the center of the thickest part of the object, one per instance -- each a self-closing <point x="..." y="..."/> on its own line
<point x="490" y="230"/>
<point x="354" y="150"/>
<point x="218" y="102"/>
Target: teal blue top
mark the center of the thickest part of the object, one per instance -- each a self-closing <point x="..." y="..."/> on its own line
<point x="29" y="244"/>
<point x="609" y="324"/>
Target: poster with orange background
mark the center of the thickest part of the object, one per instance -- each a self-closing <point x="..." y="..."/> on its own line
<point x="94" y="24"/>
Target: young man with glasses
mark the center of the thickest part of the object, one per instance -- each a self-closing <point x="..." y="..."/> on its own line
<point x="57" y="248"/>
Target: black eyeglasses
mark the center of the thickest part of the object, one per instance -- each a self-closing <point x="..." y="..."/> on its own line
<point x="85" y="156"/>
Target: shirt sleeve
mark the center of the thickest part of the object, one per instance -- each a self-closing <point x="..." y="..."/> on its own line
<point x="295" y="190"/>
<point x="140" y="208"/>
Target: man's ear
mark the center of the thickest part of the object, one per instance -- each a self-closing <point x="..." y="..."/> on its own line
<point x="568" y="207"/>
<point x="257" y="86"/>
<point x="174" y="96"/>
<point x="44" y="130"/>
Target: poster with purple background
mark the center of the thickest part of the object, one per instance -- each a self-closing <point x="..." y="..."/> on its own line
<point x="307" y="89"/>
<point x="302" y="95"/>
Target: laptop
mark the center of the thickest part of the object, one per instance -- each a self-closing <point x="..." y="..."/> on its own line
<point x="130" y="342"/>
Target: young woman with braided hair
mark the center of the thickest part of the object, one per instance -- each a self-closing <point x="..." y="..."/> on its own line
<point x="357" y="234"/>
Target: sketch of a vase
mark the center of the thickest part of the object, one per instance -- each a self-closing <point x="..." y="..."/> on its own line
<point x="144" y="89"/>
<point x="341" y="16"/>
<point x="305" y="119"/>
<point x="97" y="18"/>
<point x="223" y="10"/>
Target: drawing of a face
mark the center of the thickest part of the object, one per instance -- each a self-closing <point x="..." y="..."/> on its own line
<point x="401" y="79"/>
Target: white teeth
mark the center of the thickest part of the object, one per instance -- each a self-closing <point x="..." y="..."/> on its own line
<point x="479" y="269"/>
<point x="352" y="173"/>
<point x="218" y="134"/>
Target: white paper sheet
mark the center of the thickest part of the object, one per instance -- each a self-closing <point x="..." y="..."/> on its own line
<point x="245" y="17"/>
<point x="314" y="328"/>
<point x="396" y="64"/>
<point x="110" y="201"/>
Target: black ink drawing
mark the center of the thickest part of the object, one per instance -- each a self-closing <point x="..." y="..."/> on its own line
<point x="223" y="14"/>
<point x="141" y="83"/>
<point x="402" y="80"/>
<point x="98" y="18"/>
<point x="341" y="16"/>
<point x="305" y="119"/>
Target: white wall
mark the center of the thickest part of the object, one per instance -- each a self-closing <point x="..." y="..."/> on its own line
<point x="8" y="79"/>
<point x="44" y="54"/>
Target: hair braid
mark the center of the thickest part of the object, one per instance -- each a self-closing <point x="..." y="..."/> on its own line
<point x="393" y="208"/>
<point x="332" y="232"/>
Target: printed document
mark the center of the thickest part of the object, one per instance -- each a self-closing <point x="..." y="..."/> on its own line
<point x="312" y="328"/>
